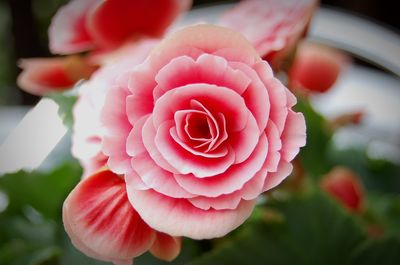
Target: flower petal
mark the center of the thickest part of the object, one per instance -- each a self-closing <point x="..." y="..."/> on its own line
<point x="275" y="178"/>
<point x="293" y="136"/>
<point x="231" y="180"/>
<point x="115" y="21"/>
<point x="166" y="247"/>
<point x="117" y="129"/>
<point x="67" y="32"/>
<point x="178" y="217"/>
<point x="102" y="223"/>
<point x="44" y="75"/>
<point x="206" y="38"/>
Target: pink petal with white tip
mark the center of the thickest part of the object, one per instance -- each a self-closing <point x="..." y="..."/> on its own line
<point x="275" y="178"/>
<point x="102" y="223"/>
<point x="178" y="217"/>
<point x="293" y="136"/>
<point x="67" y="32"/>
<point x="231" y="180"/>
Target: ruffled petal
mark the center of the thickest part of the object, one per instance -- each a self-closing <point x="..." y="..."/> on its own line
<point x="178" y="217"/>
<point x="117" y="129"/>
<point x="231" y="180"/>
<point x="275" y="178"/>
<point x="293" y="136"/>
<point x="204" y="38"/>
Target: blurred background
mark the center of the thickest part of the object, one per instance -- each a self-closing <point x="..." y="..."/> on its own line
<point x="24" y="23"/>
<point x="31" y="229"/>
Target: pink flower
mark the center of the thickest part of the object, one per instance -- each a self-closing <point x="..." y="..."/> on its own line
<point x="273" y="27"/>
<point x="43" y="75"/>
<point x="102" y="223"/>
<point x="316" y="67"/>
<point x="199" y="130"/>
<point x="344" y="185"/>
<point x="87" y="130"/>
<point x="83" y="25"/>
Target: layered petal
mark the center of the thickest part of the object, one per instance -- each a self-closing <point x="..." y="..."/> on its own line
<point x="178" y="217"/>
<point x="196" y="40"/>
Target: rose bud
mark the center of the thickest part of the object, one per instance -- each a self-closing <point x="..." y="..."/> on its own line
<point x="345" y="186"/>
<point x="316" y="67"/>
<point x="44" y="75"/>
<point x="83" y="25"/>
<point x="273" y="27"/>
<point x="195" y="133"/>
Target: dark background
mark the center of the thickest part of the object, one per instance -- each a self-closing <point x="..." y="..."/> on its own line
<point x="23" y="33"/>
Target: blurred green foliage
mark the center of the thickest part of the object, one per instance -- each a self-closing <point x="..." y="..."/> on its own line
<point x="300" y="225"/>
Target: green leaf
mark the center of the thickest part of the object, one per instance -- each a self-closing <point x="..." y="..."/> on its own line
<point x="313" y="155"/>
<point x="45" y="192"/>
<point x="383" y="252"/>
<point x="46" y="256"/>
<point x="376" y="175"/>
<point x="66" y="102"/>
<point x="314" y="230"/>
<point x="384" y="211"/>
<point x="190" y="250"/>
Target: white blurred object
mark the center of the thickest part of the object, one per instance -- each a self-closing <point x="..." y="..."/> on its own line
<point x="375" y="93"/>
<point x="358" y="36"/>
<point x="28" y="145"/>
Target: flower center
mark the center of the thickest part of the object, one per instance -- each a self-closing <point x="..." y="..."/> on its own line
<point x="197" y="126"/>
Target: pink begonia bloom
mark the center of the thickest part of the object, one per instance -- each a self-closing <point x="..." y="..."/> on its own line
<point x="316" y="67"/>
<point x="87" y="130"/>
<point x="101" y="222"/>
<point x="199" y="130"/>
<point x="43" y="75"/>
<point x="273" y="27"/>
<point x="83" y="25"/>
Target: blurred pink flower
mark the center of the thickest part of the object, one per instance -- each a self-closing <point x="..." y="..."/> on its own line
<point x="102" y="224"/>
<point x="316" y="67"/>
<point x="83" y="25"/>
<point x="87" y="130"/>
<point x="345" y="186"/>
<point x="44" y="75"/>
<point x="273" y="27"/>
<point x="199" y="130"/>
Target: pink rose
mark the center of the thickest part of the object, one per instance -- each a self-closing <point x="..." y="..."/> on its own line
<point x="87" y="24"/>
<point x="273" y="27"/>
<point x="199" y="130"/>
<point x="87" y="130"/>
